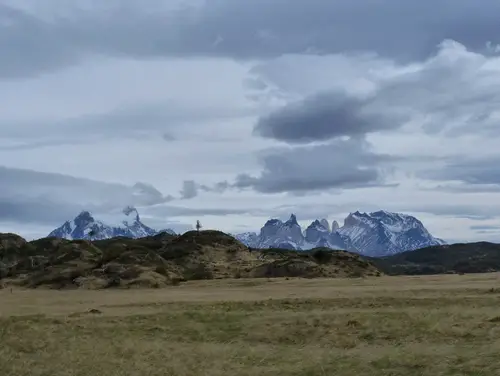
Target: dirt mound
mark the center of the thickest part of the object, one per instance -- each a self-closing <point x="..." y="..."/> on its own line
<point x="164" y="260"/>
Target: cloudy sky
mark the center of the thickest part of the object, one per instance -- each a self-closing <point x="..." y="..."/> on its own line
<point x="234" y="111"/>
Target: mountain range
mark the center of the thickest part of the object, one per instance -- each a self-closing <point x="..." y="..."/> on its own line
<point x="85" y="226"/>
<point x="374" y="234"/>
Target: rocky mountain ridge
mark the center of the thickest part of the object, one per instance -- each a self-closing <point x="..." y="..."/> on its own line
<point x="374" y="234"/>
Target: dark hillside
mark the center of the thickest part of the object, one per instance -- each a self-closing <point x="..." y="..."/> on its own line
<point x="456" y="258"/>
<point x="161" y="260"/>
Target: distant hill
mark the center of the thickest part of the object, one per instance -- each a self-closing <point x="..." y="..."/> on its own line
<point x="456" y="258"/>
<point x="161" y="260"/>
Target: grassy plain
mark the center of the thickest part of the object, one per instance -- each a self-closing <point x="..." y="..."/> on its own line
<point x="408" y="326"/>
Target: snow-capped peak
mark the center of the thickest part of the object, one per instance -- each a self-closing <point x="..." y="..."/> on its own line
<point x="273" y="222"/>
<point x="384" y="232"/>
<point x="247" y="237"/>
<point x="316" y="224"/>
<point x="85" y="226"/>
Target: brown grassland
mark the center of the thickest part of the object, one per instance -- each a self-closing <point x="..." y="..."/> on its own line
<point x="432" y="325"/>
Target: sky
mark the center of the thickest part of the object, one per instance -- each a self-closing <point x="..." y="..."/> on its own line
<point x="234" y="111"/>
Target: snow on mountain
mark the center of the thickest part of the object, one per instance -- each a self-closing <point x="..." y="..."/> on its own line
<point x="373" y="234"/>
<point x="325" y="224"/>
<point x="247" y="237"/>
<point x="315" y="231"/>
<point x="384" y="233"/>
<point x="85" y="226"/>
<point x="278" y="234"/>
<point x="335" y="226"/>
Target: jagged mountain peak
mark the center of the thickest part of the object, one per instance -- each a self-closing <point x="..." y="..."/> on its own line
<point x="292" y="221"/>
<point x="319" y="224"/>
<point x="335" y="226"/>
<point x="316" y="222"/>
<point x="325" y="224"/>
<point x="353" y="219"/>
<point x="84" y="217"/>
<point x="273" y="222"/>
<point x="279" y="234"/>
<point x="317" y="234"/>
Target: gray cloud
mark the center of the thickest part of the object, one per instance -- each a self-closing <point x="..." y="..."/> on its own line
<point x="488" y="232"/>
<point x="31" y="46"/>
<point x="485" y="228"/>
<point x="477" y="174"/>
<point x="466" y="211"/>
<point x="168" y="137"/>
<point x="37" y="211"/>
<point x="236" y="29"/>
<point x="323" y="116"/>
<point x="50" y="199"/>
<point x="189" y="189"/>
<point x="416" y="96"/>
<point x="179" y="211"/>
<point x="120" y="122"/>
<point x="461" y="187"/>
<point x="339" y="164"/>
<point x="31" y="195"/>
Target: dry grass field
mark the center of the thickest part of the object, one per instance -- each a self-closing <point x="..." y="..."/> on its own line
<point x="438" y="325"/>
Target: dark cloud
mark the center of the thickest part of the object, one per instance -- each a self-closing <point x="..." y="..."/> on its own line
<point x="485" y="228"/>
<point x="466" y="211"/>
<point x="189" y="190"/>
<point x="37" y="211"/>
<point x="417" y="96"/>
<point x="171" y="211"/>
<point x="340" y="164"/>
<point x="135" y="120"/>
<point x="323" y="116"/>
<point x="168" y="137"/>
<point x="240" y="29"/>
<point x="482" y="173"/>
<point x="49" y="199"/>
<point x="31" y="46"/>
<point x="461" y="187"/>
<point x="220" y="187"/>
<point x="17" y="185"/>
<point x="150" y="195"/>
